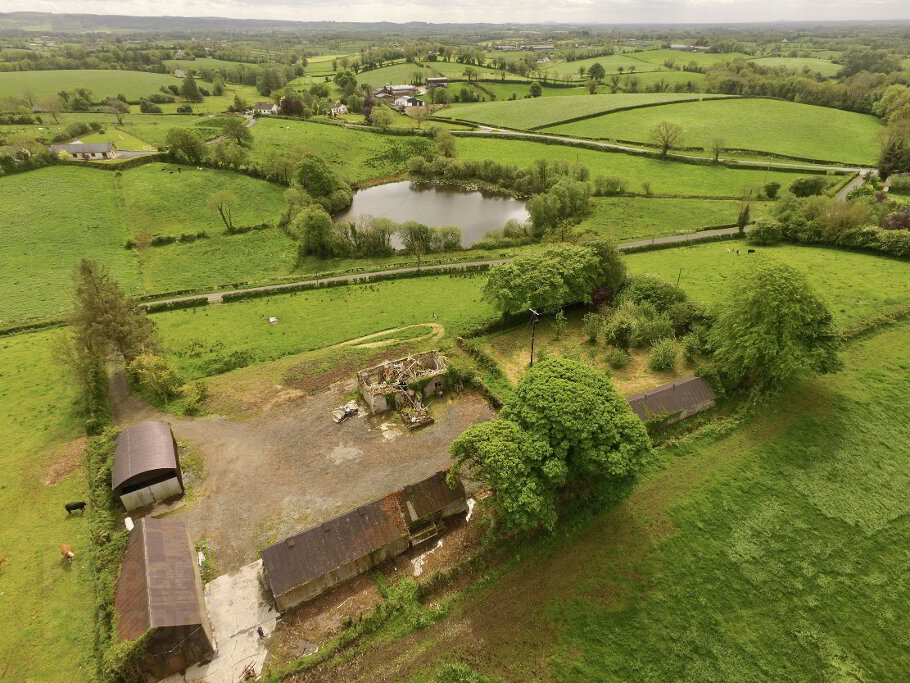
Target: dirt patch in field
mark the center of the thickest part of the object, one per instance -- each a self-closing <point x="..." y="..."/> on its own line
<point x="65" y="461"/>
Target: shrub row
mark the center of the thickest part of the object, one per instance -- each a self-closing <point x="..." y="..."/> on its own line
<point x="31" y="327"/>
<point x="118" y="165"/>
<point x="366" y="279"/>
<point x="874" y="322"/>
<point x="657" y="246"/>
<point x="163" y="306"/>
<point x="163" y="240"/>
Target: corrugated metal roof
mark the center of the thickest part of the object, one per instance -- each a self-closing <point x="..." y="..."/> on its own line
<point x="428" y="496"/>
<point x="144" y="447"/>
<point x="157" y="586"/>
<point x="83" y="147"/>
<point x="317" y="551"/>
<point x="671" y="398"/>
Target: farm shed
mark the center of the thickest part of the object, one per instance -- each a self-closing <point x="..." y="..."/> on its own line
<point x="305" y="565"/>
<point x="86" y="150"/>
<point x="159" y="588"/>
<point x="385" y="386"/>
<point x="426" y="503"/>
<point x="674" y="401"/>
<point x="146" y="465"/>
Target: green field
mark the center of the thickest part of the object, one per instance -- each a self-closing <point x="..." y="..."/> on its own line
<point x="503" y="91"/>
<point x="396" y="74"/>
<point x="455" y="70"/>
<point x="855" y="285"/>
<point x="649" y="78"/>
<point x="542" y="111"/>
<point x="666" y="177"/>
<point x="788" y="128"/>
<point x="610" y="63"/>
<point x="626" y="219"/>
<point x="132" y="84"/>
<point x="823" y="66"/>
<point x="51" y="604"/>
<point x="773" y="553"/>
<point x="199" y="64"/>
<point x="196" y="338"/>
<point x="681" y="58"/>
<point x="42" y="243"/>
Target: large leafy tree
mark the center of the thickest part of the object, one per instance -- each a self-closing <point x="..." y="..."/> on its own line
<point x="189" y="90"/>
<point x="564" y="429"/>
<point x="545" y="280"/>
<point x="518" y="468"/>
<point x="235" y="128"/>
<point x="579" y="413"/>
<point x="186" y="145"/>
<point x="772" y="327"/>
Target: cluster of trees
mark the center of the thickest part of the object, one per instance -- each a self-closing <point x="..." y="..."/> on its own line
<point x="869" y="221"/>
<point x="538" y="177"/>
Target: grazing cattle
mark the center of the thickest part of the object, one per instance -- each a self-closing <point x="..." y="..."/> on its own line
<point x="752" y="251"/>
<point x="67" y="552"/>
<point x="72" y="507"/>
<point x="2" y="560"/>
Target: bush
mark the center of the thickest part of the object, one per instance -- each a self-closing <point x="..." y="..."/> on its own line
<point x="651" y="328"/>
<point x="185" y="109"/>
<point x="765" y="231"/>
<point x="619" y="329"/>
<point x="609" y="185"/>
<point x="900" y="184"/>
<point x="592" y="324"/>
<point x="155" y="375"/>
<point x="652" y="289"/>
<point x="771" y="189"/>
<point x="618" y="359"/>
<point x="664" y="355"/>
<point x="808" y="186"/>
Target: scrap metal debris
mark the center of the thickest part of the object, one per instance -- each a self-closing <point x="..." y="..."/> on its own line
<point x="342" y="413"/>
<point x="403" y="384"/>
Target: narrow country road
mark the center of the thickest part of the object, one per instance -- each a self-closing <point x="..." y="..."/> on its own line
<point x="638" y="150"/>
<point x="216" y="297"/>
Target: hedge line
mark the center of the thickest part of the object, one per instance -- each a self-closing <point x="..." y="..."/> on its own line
<point x="874" y="322"/>
<point x="366" y="279"/>
<point x="30" y="327"/>
<point x="164" y="306"/>
<point x="119" y="166"/>
<point x="657" y="246"/>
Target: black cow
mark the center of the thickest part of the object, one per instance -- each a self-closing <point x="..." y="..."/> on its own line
<point x="752" y="251"/>
<point x="72" y="507"/>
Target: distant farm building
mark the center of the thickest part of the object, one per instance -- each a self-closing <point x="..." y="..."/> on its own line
<point x="689" y="48"/>
<point x="179" y="73"/>
<point x="303" y="566"/>
<point x="86" y="150"/>
<point x="395" y="383"/>
<point x="674" y="401"/>
<point x="146" y="465"/>
<point x="338" y="109"/>
<point x="399" y="90"/>
<point x="265" y="108"/>
<point x="537" y="48"/>
<point x="439" y="82"/>
<point x="408" y="102"/>
<point x="159" y="588"/>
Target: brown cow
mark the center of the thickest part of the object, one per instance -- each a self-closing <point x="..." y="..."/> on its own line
<point x="67" y="552"/>
<point x="2" y="560"/>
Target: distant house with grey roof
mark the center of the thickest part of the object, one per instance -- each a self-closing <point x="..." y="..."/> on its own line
<point x="673" y="402"/>
<point x="86" y="150"/>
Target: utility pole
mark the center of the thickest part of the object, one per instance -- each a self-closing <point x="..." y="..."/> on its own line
<point x="679" y="276"/>
<point x="534" y="318"/>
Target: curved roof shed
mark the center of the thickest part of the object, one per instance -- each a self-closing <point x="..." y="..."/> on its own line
<point x="145" y="454"/>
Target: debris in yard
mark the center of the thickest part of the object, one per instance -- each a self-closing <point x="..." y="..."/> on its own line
<point x="416" y="417"/>
<point x="200" y="558"/>
<point x="419" y="561"/>
<point x="273" y="320"/>
<point x="402" y="383"/>
<point x="342" y="413"/>
<point x="471" y="503"/>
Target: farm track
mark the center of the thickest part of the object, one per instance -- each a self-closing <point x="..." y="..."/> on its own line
<point x="216" y="297"/>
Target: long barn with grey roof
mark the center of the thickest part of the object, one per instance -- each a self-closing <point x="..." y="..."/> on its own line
<point x="674" y="401"/>
<point x="86" y="150"/>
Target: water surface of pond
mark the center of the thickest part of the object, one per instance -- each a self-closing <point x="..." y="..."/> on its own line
<point x="475" y="212"/>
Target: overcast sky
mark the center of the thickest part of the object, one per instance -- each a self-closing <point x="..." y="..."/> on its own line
<point x="532" y="11"/>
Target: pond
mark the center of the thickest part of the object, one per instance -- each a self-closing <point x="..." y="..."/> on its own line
<point x="475" y="212"/>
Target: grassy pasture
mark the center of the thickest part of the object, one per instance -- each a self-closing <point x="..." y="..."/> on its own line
<point x="626" y="219"/>
<point x="774" y="552"/>
<point x="646" y="79"/>
<point x="50" y="604"/>
<point x="395" y="74"/>
<point x="541" y="111"/>
<point x="666" y="177"/>
<point x="503" y="91"/>
<point x="855" y="285"/>
<point x="823" y="66"/>
<point x="200" y="63"/>
<point x="680" y="57"/>
<point x="55" y="216"/>
<point x="611" y="63"/>
<point x="456" y="70"/>
<point x="315" y="319"/>
<point x="103" y="83"/>
<point x="765" y="125"/>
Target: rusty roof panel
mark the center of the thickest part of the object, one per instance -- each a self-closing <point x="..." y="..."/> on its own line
<point x="429" y="496"/>
<point x="144" y="447"/>
<point x="671" y="398"/>
<point x="158" y="585"/>
<point x="312" y="553"/>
